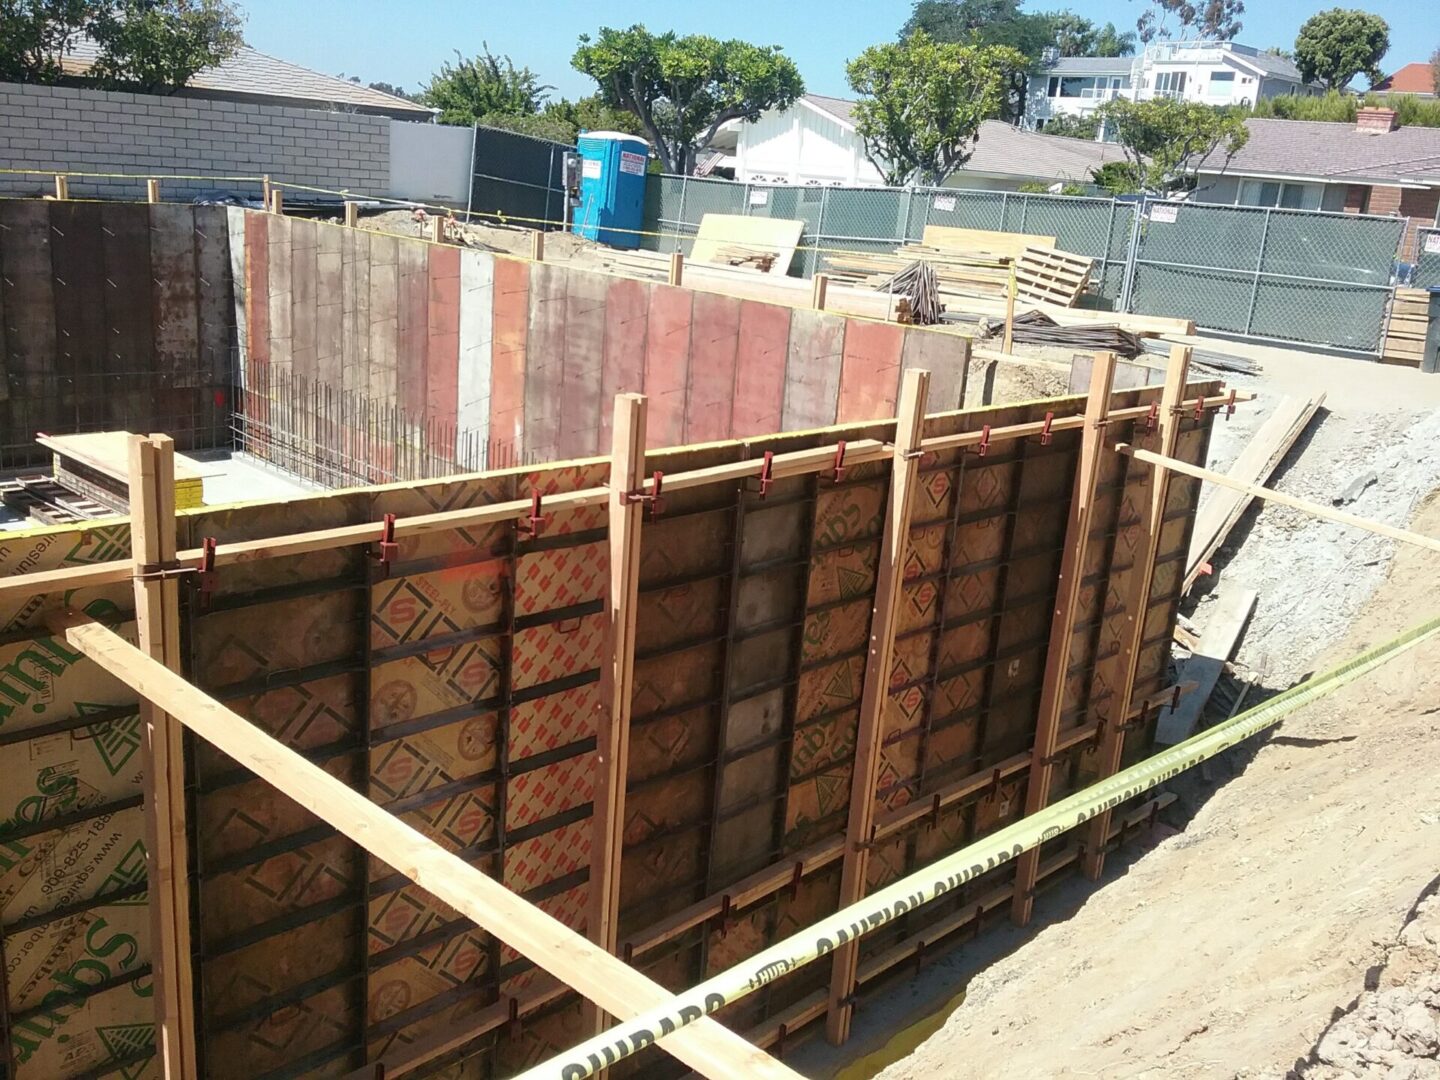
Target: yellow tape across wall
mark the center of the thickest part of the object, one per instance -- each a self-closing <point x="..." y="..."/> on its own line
<point x="953" y="871"/>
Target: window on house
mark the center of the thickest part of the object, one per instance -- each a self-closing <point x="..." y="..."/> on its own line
<point x="1170" y="83"/>
<point x="1278" y="195"/>
<point x="1054" y="89"/>
<point x="1075" y="86"/>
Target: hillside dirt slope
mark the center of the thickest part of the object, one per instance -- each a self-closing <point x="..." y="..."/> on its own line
<point x="1229" y="949"/>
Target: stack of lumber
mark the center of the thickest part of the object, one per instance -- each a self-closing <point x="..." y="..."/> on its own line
<point x="957" y="274"/>
<point x="97" y="467"/>
<point x="751" y="258"/>
<point x="1006" y="245"/>
<point x="1037" y="328"/>
<point x="718" y="233"/>
<point x="1409" y="322"/>
<point x="1051" y="275"/>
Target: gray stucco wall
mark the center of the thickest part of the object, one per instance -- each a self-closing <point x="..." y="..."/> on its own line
<point x="57" y="129"/>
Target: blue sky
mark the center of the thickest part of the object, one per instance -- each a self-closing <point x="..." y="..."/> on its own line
<point x="403" y="44"/>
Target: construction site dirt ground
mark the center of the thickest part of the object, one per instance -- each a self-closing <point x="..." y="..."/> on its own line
<point x="1278" y="921"/>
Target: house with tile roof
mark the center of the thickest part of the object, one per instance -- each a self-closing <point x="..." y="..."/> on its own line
<point x="814" y="141"/>
<point x="1416" y="80"/>
<point x="1373" y="166"/>
<point x="257" y="78"/>
<point x="1209" y="72"/>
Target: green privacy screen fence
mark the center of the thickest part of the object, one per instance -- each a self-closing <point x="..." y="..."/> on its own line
<point x="1281" y="275"/>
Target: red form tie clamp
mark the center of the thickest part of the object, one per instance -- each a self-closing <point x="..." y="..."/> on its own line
<point x="653" y="497"/>
<point x="837" y="471"/>
<point x="536" y="521"/>
<point x="983" y="447"/>
<point x="1152" y="419"/>
<point x="767" y="470"/>
<point x="205" y="574"/>
<point x="388" y="549"/>
<point x="1045" y="433"/>
<point x="1230" y="406"/>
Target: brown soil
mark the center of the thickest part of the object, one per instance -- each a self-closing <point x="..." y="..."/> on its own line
<point x="1228" y="950"/>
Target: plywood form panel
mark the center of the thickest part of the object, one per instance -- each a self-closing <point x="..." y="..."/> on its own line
<point x="304" y="296"/>
<point x="714" y="343"/>
<point x="545" y="360"/>
<point x="812" y="370"/>
<point x="764" y="343"/>
<point x="442" y="357"/>
<point x="627" y="311"/>
<point x="413" y="323"/>
<point x="82" y="346"/>
<point x="329" y="306"/>
<point x="581" y="401"/>
<point x="945" y="356"/>
<point x="667" y="363"/>
<point x="176" y="292"/>
<point x="477" y="328"/>
<point x="214" y="266"/>
<point x="259" y="326"/>
<point x="130" y="339"/>
<point x="384" y="313"/>
<point x="508" y="361"/>
<point x="26" y="261"/>
<point x="355" y="312"/>
<point x="870" y="370"/>
<point x="280" y="302"/>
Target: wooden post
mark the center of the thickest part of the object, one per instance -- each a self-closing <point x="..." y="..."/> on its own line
<point x="62" y="187"/>
<point x="265" y="188"/>
<point x="706" y="1046"/>
<point x="889" y="587"/>
<point x="1118" y="673"/>
<point x="437" y="229"/>
<point x="157" y="616"/>
<point x="537" y="245"/>
<point x="352" y="214"/>
<point x="1009" y="342"/>
<point x="152" y="191"/>
<point x="612" y="744"/>
<point x="1062" y="621"/>
<point x="277" y="201"/>
<point x="677" y="268"/>
<point x="820" y="285"/>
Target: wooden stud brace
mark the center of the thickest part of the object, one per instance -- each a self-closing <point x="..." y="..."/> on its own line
<point x="889" y="587"/>
<point x="1062" y="622"/>
<point x="612" y="747"/>
<point x="157" y="617"/>
<point x="706" y="1047"/>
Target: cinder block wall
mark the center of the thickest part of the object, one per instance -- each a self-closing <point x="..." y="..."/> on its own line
<point x="57" y="129"/>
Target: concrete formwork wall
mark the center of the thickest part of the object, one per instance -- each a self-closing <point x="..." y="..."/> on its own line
<point x="522" y="357"/>
<point x="112" y="316"/>
<point x="457" y="690"/>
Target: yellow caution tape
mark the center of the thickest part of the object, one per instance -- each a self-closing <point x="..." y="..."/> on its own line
<point x="123" y="176"/>
<point x="952" y="872"/>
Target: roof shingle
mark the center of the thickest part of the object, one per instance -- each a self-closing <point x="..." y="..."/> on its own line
<point x="1334" y="151"/>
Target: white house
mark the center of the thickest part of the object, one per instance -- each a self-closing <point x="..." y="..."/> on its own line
<point x="814" y="141"/>
<point x="1209" y="72"/>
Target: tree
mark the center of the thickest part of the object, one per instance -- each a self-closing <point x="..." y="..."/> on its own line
<point x="1074" y="126"/>
<point x="683" y="88"/>
<point x="480" y="89"/>
<point x="1165" y="140"/>
<point x="1074" y="35"/>
<point x="1338" y="44"/>
<point x="1435" y="72"/>
<point x="1207" y="20"/>
<point x="156" y="44"/>
<point x="144" y="44"/>
<point x="1117" y="178"/>
<point x="1111" y="42"/>
<point x="922" y="102"/>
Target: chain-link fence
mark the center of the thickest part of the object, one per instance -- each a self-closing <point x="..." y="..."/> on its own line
<point x="1281" y="275"/>
<point x="1427" y="259"/>
<point x="518" y="176"/>
<point x="878" y="219"/>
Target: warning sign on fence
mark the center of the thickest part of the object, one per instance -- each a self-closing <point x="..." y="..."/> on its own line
<point x="1432" y="244"/>
<point x="1167" y="213"/>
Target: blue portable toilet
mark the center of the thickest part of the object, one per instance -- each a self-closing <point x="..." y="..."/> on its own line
<point x="612" y="187"/>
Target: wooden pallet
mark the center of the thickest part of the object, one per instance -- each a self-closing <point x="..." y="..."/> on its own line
<point x="1408" y="325"/>
<point x="1058" y="277"/>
